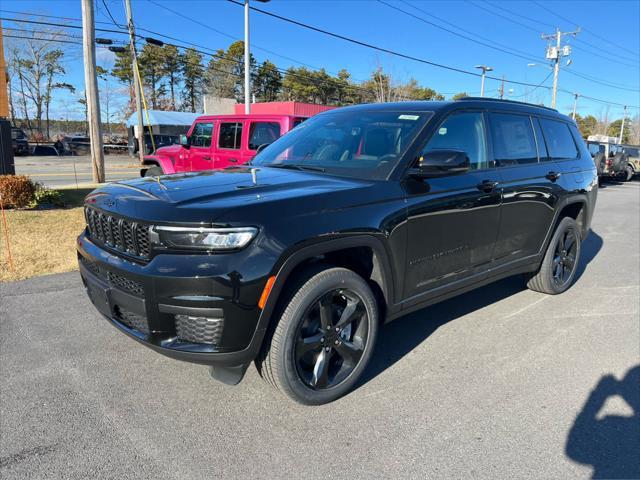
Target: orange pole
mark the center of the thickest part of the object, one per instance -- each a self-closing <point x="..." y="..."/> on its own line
<point x="6" y="235"/>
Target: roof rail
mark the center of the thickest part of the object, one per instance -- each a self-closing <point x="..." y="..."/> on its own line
<point x="501" y="100"/>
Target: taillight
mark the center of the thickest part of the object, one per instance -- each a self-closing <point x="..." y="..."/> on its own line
<point x="608" y="162"/>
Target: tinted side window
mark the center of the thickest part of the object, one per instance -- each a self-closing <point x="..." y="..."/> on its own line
<point x="230" y="135"/>
<point x="462" y="131"/>
<point x="201" y="135"/>
<point x="263" y="132"/>
<point x="559" y="140"/>
<point x="513" y="140"/>
<point x="298" y="121"/>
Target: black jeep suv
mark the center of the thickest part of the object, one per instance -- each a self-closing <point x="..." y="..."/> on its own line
<point x="356" y="217"/>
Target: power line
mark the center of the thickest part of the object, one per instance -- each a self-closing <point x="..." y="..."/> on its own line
<point x="113" y="20"/>
<point x="429" y="14"/>
<point x="483" y="7"/>
<point x="43" y="32"/>
<point x="46" y="16"/>
<point x="606" y="84"/>
<point x="553" y="12"/>
<point x="374" y="47"/>
<point x="503" y="50"/>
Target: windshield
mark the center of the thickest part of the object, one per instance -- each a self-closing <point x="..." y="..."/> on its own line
<point x="354" y="143"/>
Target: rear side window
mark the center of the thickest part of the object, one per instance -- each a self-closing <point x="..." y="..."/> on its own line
<point x="462" y="131"/>
<point x="230" y="135"/>
<point x="513" y="139"/>
<point x="559" y="140"/>
<point x="298" y="121"/>
<point x="261" y="133"/>
<point x="201" y="135"/>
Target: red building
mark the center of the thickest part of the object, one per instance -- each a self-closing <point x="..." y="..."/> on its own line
<point x="284" y="108"/>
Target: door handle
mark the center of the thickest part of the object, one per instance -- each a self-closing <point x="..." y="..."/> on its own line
<point x="206" y="157"/>
<point x="553" y="176"/>
<point x="234" y="160"/>
<point x="487" y="185"/>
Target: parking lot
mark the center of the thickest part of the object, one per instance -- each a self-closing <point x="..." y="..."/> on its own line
<point x="501" y="382"/>
<point x="66" y="171"/>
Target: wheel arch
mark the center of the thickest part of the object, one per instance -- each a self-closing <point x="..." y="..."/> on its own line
<point x="364" y="254"/>
<point x="164" y="163"/>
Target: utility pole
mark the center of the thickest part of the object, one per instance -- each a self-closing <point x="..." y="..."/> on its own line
<point x="484" y="69"/>
<point x="502" y="88"/>
<point x="624" y="115"/>
<point x="91" y="90"/>
<point x="555" y="53"/>
<point x="575" y="105"/>
<point x="136" y="81"/>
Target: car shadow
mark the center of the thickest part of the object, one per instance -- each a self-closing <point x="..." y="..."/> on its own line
<point x="398" y="338"/>
<point x="610" y="443"/>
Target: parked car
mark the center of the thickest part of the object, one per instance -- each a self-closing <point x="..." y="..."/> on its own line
<point x="357" y="217"/>
<point x="19" y="142"/>
<point x="218" y="141"/>
<point x="609" y="157"/>
<point x="76" y="144"/>
<point x="633" y="160"/>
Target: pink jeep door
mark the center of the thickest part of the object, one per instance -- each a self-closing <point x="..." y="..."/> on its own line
<point x="228" y="150"/>
<point x="263" y="132"/>
<point x="199" y="156"/>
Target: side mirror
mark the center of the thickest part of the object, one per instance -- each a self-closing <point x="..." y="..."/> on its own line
<point x="440" y="163"/>
<point x="262" y="147"/>
<point x="184" y="141"/>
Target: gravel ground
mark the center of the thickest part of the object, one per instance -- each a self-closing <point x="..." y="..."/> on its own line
<point x="499" y="383"/>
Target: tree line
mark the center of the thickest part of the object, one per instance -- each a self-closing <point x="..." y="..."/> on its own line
<point x="174" y="80"/>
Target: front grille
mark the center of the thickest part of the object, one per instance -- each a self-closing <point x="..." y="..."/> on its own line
<point x="199" y="329"/>
<point x="114" y="279"/>
<point x="117" y="233"/>
<point x="132" y="320"/>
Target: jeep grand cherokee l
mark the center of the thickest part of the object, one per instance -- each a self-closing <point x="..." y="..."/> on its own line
<point x="356" y="217"/>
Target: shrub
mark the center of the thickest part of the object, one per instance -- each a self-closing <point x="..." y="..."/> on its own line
<point x="46" y="196"/>
<point x="16" y="190"/>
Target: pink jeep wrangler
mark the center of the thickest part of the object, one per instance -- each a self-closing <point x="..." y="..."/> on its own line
<point x="218" y="141"/>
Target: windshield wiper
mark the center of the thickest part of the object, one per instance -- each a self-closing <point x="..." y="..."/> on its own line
<point x="295" y="166"/>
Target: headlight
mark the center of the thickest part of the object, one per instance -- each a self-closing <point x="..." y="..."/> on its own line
<point x="206" y="238"/>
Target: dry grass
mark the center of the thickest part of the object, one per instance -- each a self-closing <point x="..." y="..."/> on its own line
<point x="42" y="242"/>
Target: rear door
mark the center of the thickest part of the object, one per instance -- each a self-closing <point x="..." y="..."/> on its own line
<point x="262" y="132"/>
<point x="200" y="151"/>
<point x="453" y="221"/>
<point x="530" y="188"/>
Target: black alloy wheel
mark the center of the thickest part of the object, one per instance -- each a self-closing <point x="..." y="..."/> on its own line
<point x="331" y="339"/>
<point x="564" y="261"/>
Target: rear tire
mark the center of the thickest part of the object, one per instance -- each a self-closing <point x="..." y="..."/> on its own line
<point x="558" y="268"/>
<point x="154" y="171"/>
<point x="324" y="338"/>
<point x="628" y="173"/>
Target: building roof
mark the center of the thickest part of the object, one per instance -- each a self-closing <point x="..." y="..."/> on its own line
<point x="160" y="117"/>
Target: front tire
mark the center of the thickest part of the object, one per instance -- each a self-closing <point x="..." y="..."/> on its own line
<point x="558" y="268"/>
<point x="324" y="338"/>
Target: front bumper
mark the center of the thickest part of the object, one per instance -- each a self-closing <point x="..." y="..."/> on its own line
<point x="196" y="308"/>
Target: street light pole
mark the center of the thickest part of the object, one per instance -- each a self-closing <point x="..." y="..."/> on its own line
<point x="485" y="69"/>
<point x="247" y="61"/>
<point x="247" y="58"/>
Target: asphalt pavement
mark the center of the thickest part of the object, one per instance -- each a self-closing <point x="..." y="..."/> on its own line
<point x="502" y="382"/>
<point x="67" y="171"/>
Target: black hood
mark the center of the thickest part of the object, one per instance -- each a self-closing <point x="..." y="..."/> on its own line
<point x="203" y="197"/>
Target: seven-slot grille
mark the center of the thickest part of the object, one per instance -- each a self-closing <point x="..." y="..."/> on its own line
<point x="123" y="235"/>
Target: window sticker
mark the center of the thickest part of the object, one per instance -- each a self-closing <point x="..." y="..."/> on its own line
<point x="442" y="131"/>
<point x="408" y="117"/>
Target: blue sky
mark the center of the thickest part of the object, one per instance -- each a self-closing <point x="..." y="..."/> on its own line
<point x="513" y="24"/>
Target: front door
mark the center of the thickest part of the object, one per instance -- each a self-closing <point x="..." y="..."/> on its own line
<point x="229" y="146"/>
<point x="200" y="151"/>
<point x="453" y="221"/>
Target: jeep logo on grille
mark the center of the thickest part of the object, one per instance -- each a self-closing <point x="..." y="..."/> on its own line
<point x="108" y="202"/>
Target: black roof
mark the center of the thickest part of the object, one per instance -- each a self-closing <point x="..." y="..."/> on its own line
<point x="436" y="106"/>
